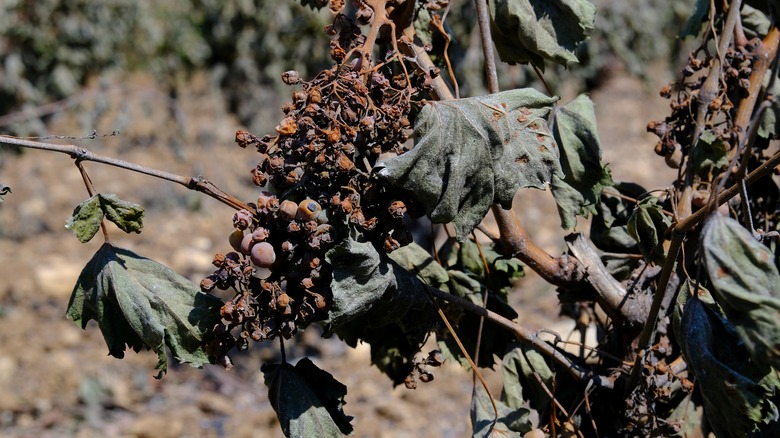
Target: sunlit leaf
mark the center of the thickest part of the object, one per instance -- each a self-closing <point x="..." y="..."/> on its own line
<point x="540" y="30"/>
<point x="86" y="218"/>
<point x="471" y="153"/>
<point x="308" y="401"/>
<point x="128" y="216"/>
<point x="727" y="382"/>
<point x="138" y="302"/>
<point x="365" y="281"/>
<point x="577" y="193"/>
<point x="746" y="283"/>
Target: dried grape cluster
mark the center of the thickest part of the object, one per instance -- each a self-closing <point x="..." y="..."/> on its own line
<point x="677" y="130"/>
<point x="319" y="189"/>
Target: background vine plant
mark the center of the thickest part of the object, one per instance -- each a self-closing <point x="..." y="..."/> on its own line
<point x="681" y="284"/>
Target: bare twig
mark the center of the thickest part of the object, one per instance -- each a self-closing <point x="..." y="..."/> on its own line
<point x="526" y="336"/>
<point x="708" y="93"/>
<point x="78" y="153"/>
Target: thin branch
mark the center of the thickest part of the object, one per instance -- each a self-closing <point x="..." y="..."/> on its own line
<point x="78" y="153"/>
<point x="526" y="336"/>
<point x="483" y="18"/>
<point x="708" y="92"/>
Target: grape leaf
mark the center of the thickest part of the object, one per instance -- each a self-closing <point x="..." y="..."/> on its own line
<point x="647" y="226"/>
<point x="379" y="302"/>
<point x="138" y="302"/>
<point x="710" y="153"/>
<point x="308" y="401"/>
<point x="494" y="339"/>
<point x="746" y="283"/>
<point x="86" y="218"/>
<point x="511" y="422"/>
<point x="577" y="193"/>
<point x="365" y="282"/>
<point x="128" y="216"/>
<point x="522" y="365"/>
<point x="471" y="153"/>
<point x="538" y="30"/>
<point x="727" y="382"/>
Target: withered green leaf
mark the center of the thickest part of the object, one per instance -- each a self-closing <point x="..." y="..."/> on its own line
<point x="511" y="422"/>
<point x="308" y="401"/>
<point x="540" y="30"/>
<point x="86" y="218"/>
<point x="471" y="153"/>
<point x="381" y="303"/>
<point x="577" y="193"/>
<point x="647" y="226"/>
<point x="727" y="382"/>
<point x="746" y="283"/>
<point x="128" y="216"/>
<point x="138" y="303"/>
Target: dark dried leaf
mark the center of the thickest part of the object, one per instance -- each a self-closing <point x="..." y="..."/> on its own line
<point x="472" y="153"/>
<point x="727" y="382"/>
<point x="746" y="283"/>
<point x="577" y="193"/>
<point x="4" y="190"/>
<point x="540" y="30"/>
<point x="308" y="401"/>
<point x="521" y="365"/>
<point x="647" y="226"/>
<point x="138" y="303"/>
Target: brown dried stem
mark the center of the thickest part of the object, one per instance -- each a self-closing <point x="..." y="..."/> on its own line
<point x="79" y="154"/>
<point x="709" y="92"/>
<point x="679" y="230"/>
<point x="526" y="336"/>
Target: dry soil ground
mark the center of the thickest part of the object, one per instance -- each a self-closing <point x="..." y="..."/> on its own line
<point x="57" y="380"/>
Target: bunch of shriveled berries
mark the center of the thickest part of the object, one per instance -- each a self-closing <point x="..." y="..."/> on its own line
<point x="320" y="187"/>
<point x="676" y="131"/>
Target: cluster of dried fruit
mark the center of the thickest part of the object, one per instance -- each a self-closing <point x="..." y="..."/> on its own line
<point x="677" y="130"/>
<point x="420" y="372"/>
<point x="320" y="187"/>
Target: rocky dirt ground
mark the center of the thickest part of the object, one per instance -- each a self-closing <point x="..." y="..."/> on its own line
<point x="57" y="380"/>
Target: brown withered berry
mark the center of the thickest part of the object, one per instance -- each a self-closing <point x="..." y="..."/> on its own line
<point x="287" y="210"/>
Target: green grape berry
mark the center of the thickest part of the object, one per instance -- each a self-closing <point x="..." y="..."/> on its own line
<point x="235" y="239"/>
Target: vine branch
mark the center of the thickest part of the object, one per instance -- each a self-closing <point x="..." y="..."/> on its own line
<point x="524" y="335"/>
<point x="198" y="183"/>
